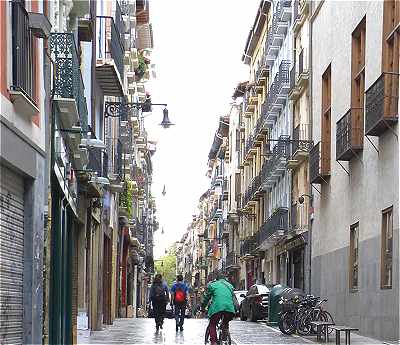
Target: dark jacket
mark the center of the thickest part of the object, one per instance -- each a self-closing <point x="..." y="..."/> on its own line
<point x="152" y="291"/>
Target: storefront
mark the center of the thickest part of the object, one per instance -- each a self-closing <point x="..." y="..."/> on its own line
<point x="291" y="256"/>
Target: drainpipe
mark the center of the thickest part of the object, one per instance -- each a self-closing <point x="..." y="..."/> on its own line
<point x="310" y="191"/>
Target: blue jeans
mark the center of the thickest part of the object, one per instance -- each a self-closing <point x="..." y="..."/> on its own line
<point x="180" y="314"/>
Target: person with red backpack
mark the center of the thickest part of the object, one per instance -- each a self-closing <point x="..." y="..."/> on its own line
<point x="179" y="300"/>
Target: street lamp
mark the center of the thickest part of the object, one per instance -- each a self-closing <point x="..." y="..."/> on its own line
<point x="116" y="109"/>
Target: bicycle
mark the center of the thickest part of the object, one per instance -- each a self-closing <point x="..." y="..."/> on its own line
<point x="297" y="315"/>
<point x="228" y="340"/>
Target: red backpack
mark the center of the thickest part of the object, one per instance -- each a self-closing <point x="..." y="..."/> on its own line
<point x="180" y="295"/>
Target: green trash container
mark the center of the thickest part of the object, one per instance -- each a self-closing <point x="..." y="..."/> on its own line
<point x="274" y="307"/>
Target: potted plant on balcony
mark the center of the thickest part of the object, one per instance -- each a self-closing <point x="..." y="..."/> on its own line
<point x="141" y="70"/>
<point x="126" y="199"/>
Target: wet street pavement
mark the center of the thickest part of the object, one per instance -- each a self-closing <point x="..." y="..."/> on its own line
<point x="142" y="331"/>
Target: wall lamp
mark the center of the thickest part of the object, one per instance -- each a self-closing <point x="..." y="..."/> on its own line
<point x="117" y="109"/>
<point x="301" y="198"/>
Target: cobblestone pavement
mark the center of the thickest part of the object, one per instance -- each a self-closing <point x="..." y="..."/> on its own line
<point x="142" y="331"/>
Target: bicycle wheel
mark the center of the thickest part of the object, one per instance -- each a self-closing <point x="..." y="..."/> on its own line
<point x="304" y="324"/>
<point x="327" y="317"/>
<point x="207" y="335"/>
<point x="316" y="315"/>
<point x="287" y="323"/>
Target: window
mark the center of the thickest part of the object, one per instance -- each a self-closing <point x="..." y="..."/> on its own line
<point x="22" y="51"/>
<point x="326" y="123"/>
<point x="390" y="51"/>
<point x="387" y="249"/>
<point x="354" y="241"/>
<point x="357" y="83"/>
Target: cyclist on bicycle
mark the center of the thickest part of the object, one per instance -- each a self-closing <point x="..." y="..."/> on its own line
<point x="223" y="306"/>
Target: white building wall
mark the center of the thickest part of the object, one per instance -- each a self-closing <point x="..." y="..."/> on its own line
<point x="371" y="186"/>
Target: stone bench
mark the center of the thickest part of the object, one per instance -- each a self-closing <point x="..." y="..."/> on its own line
<point x="346" y="330"/>
<point x="322" y="327"/>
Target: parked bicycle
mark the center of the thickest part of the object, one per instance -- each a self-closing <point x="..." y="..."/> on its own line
<point x="297" y="314"/>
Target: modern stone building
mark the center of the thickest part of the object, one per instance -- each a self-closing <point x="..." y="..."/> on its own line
<point x="354" y="165"/>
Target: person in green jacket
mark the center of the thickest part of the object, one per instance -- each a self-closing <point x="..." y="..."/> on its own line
<point x="220" y="293"/>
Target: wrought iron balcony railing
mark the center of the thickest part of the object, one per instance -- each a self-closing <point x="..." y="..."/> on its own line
<point x="110" y="43"/>
<point x="249" y="245"/>
<point x="232" y="259"/>
<point x="68" y="82"/>
<point x="275" y="166"/>
<point x="23" y="78"/>
<point x="301" y="139"/>
<point x="275" y="226"/>
<point x="98" y="162"/>
<point x="349" y="134"/>
<point x="115" y="151"/>
<point x="292" y="77"/>
<point x="381" y="104"/>
<point x="320" y="162"/>
<point x="299" y="217"/>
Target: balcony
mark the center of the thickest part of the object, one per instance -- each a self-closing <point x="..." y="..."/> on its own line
<point x="249" y="149"/>
<point x="98" y="166"/>
<point x="282" y="83"/>
<point x="23" y="79"/>
<point x="284" y="10"/>
<point x="261" y="71"/>
<point x="68" y="96"/>
<point x="299" y="78"/>
<point x="225" y="189"/>
<point x="249" y="246"/>
<point x="320" y="163"/>
<point x="216" y="211"/>
<point x="68" y="83"/>
<point x="277" y="31"/>
<point x="116" y="173"/>
<point x="274" y="228"/>
<point x="110" y="58"/>
<point x="299" y="218"/>
<point x="248" y="103"/>
<point x="232" y="260"/>
<point x="301" y="145"/>
<point x="349" y="135"/>
<point x="300" y="11"/>
<point x="381" y="104"/>
<point x="274" y="168"/>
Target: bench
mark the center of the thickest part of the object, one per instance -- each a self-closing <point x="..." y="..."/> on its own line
<point x="322" y="326"/>
<point x="346" y="331"/>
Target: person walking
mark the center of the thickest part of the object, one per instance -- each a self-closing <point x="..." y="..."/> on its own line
<point x="223" y="306"/>
<point x="159" y="297"/>
<point x="179" y="301"/>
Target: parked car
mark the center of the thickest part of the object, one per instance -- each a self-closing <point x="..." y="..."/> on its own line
<point x="255" y="303"/>
<point x="239" y="296"/>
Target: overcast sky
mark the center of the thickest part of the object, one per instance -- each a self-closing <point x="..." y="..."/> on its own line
<point x="198" y="49"/>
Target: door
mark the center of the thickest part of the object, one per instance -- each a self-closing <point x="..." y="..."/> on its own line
<point x="11" y="256"/>
<point x="107" y="281"/>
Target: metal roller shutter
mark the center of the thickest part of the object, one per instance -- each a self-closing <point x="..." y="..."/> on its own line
<point x="11" y="256"/>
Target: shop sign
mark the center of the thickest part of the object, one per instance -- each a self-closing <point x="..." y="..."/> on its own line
<point x="288" y="246"/>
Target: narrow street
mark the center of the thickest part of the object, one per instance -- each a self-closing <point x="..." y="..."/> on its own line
<point x="142" y="331"/>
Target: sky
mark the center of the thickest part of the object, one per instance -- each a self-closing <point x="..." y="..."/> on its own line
<point x="198" y="47"/>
